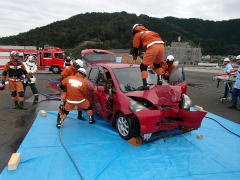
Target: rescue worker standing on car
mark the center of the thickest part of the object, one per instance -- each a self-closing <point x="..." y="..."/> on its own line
<point x="31" y="68"/>
<point x="170" y="66"/>
<point x="236" y="87"/>
<point x="76" y="88"/>
<point x="153" y="45"/>
<point x="15" y="71"/>
<point x="227" y="70"/>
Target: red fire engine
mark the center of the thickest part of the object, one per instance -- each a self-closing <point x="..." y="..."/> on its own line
<point x="51" y="59"/>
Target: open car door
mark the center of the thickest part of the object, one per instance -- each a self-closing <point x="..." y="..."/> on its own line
<point x="101" y="97"/>
<point x="177" y="77"/>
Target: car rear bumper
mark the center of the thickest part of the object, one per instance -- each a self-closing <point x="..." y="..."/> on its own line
<point x="167" y="119"/>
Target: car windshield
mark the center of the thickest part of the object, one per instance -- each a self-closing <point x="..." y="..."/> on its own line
<point x="99" y="57"/>
<point x="129" y="79"/>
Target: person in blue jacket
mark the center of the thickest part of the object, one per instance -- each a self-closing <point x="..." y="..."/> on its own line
<point x="236" y="87"/>
<point x="227" y="70"/>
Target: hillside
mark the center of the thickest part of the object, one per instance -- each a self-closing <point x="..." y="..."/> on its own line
<point x="113" y="30"/>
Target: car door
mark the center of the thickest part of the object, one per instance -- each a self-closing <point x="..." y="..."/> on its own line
<point x="105" y="93"/>
<point x="101" y="99"/>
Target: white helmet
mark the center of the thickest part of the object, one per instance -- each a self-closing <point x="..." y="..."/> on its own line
<point x="78" y="63"/>
<point x="14" y="53"/>
<point x="238" y="57"/>
<point x="31" y="58"/>
<point x="82" y="71"/>
<point x="134" y="26"/>
<point x="226" y="60"/>
<point x="170" y="58"/>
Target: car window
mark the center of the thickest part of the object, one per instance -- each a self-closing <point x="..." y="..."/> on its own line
<point x="97" y="57"/>
<point x="129" y="79"/>
<point x="93" y="75"/>
<point x="47" y="54"/>
<point x="59" y="55"/>
<point x="88" y="69"/>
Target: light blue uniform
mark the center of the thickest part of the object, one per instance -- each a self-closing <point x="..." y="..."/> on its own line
<point x="237" y="83"/>
<point x="228" y="85"/>
<point x="228" y="68"/>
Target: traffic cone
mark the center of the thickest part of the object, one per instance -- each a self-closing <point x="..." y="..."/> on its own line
<point x="135" y="141"/>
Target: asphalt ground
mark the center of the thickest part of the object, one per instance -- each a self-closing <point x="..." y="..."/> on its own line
<point x="204" y="92"/>
<point x="15" y="123"/>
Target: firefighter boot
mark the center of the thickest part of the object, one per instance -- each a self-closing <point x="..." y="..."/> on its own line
<point x="234" y="106"/>
<point x="35" y="101"/>
<point x="21" y="105"/>
<point x="60" y="120"/>
<point x="80" y="117"/>
<point x="58" y="125"/>
<point x="159" y="80"/>
<point x="16" y="105"/>
<point x="91" y="120"/>
<point x="145" y="84"/>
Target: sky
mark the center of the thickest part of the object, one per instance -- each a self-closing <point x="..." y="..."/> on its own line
<point x="18" y="16"/>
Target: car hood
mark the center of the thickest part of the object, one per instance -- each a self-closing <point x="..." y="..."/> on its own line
<point x="160" y="94"/>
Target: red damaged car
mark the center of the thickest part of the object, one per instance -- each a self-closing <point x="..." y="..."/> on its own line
<point x="117" y="96"/>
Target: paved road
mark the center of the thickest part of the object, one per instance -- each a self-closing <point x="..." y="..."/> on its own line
<point x="204" y="92"/>
<point x="14" y="124"/>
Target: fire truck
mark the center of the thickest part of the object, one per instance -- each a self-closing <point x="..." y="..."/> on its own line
<point x="50" y="59"/>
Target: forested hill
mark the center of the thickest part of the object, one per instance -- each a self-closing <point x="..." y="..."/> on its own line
<point x="113" y="30"/>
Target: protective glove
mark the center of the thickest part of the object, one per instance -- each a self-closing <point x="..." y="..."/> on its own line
<point x="60" y="86"/>
<point x="2" y="85"/>
<point x="28" y="80"/>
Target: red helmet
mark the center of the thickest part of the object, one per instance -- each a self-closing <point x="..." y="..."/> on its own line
<point x="2" y="87"/>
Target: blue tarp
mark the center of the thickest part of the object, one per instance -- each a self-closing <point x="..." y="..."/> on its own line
<point x="100" y="153"/>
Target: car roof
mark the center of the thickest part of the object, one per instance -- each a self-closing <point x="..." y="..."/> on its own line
<point x="89" y="51"/>
<point x="114" y="65"/>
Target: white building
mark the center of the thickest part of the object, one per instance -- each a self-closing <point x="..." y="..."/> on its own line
<point x="184" y="53"/>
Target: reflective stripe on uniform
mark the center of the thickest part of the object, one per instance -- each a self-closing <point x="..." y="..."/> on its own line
<point x="10" y="79"/>
<point x="76" y="102"/>
<point x="155" y="42"/>
<point x="142" y="32"/>
<point x="13" y="67"/>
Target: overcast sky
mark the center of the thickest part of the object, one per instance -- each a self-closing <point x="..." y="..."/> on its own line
<point x="22" y="15"/>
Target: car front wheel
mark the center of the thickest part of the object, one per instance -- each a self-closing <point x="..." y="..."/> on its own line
<point x="124" y="126"/>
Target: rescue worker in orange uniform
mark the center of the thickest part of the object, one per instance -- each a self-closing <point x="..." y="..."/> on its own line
<point x="69" y="71"/>
<point x="153" y="45"/>
<point x="170" y="66"/>
<point x="15" y="71"/>
<point x="76" y="88"/>
<point x="72" y="69"/>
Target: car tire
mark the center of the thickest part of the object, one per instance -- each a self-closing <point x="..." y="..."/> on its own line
<point x="55" y="70"/>
<point x="124" y="126"/>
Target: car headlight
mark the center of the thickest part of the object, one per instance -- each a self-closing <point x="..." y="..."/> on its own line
<point x="186" y="101"/>
<point x="135" y="106"/>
